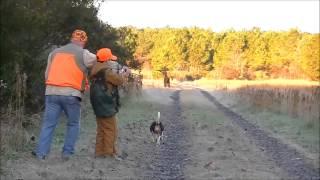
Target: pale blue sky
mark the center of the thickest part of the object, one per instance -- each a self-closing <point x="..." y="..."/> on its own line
<point x="217" y="15"/>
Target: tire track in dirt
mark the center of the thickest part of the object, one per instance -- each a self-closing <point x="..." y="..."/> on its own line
<point x="167" y="160"/>
<point x="285" y="157"/>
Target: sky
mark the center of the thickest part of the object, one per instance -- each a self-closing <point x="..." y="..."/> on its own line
<point x="217" y="15"/>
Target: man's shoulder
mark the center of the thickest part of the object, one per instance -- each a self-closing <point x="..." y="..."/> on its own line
<point x="58" y="48"/>
<point x="97" y="67"/>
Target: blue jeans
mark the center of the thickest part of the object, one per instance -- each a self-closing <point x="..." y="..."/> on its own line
<point x="54" y="105"/>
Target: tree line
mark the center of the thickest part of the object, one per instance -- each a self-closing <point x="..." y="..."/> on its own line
<point x="30" y="29"/>
<point x="247" y="54"/>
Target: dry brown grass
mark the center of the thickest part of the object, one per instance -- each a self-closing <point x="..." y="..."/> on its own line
<point x="13" y="119"/>
<point x="233" y="84"/>
<point x="296" y="101"/>
<point x="297" y="98"/>
<point x="16" y="137"/>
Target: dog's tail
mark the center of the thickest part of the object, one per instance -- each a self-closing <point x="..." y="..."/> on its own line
<point x="158" y="120"/>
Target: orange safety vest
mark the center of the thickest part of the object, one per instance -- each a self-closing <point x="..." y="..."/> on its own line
<point x="67" y="68"/>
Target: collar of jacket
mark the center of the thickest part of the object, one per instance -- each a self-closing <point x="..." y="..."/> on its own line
<point x="78" y="43"/>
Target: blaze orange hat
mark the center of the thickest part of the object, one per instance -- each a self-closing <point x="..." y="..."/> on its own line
<point x="105" y="54"/>
<point x="79" y="35"/>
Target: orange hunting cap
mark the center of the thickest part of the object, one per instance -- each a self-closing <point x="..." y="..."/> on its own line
<point x="79" y="35"/>
<point x="105" y="54"/>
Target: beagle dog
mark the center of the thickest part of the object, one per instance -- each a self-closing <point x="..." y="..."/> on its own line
<point x="156" y="129"/>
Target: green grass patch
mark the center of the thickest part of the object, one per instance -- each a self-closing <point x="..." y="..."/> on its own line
<point x="16" y="140"/>
<point x="203" y="114"/>
<point x="302" y="132"/>
<point x="137" y="109"/>
<point x="306" y="134"/>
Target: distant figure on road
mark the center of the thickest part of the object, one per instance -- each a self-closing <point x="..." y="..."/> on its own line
<point x="166" y="79"/>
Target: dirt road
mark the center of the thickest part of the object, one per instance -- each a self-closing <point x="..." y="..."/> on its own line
<point x="203" y="141"/>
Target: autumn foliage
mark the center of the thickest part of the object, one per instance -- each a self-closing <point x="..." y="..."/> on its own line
<point x="247" y="54"/>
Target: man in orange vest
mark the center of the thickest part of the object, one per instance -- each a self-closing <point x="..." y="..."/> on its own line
<point x="66" y="77"/>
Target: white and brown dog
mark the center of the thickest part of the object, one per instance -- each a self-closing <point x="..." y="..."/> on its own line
<point x="156" y="129"/>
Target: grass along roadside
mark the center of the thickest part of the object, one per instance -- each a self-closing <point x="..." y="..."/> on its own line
<point x="16" y="138"/>
<point x="142" y="108"/>
<point x="296" y="132"/>
<point x="200" y="111"/>
<point x="220" y="149"/>
<point x="288" y="109"/>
